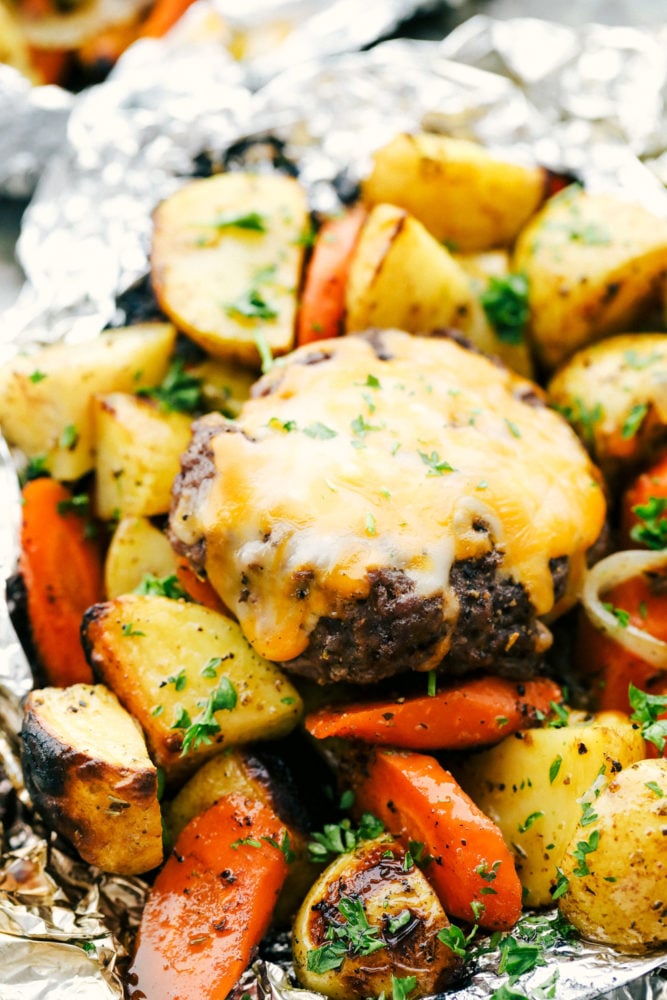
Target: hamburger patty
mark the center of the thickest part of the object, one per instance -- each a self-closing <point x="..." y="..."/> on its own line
<point x="345" y="562"/>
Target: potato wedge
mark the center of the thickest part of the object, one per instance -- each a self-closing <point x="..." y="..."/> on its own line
<point x="462" y="193"/>
<point x="138" y="455"/>
<point x="401" y="277"/>
<point x="616" y="866"/>
<point x="189" y="677"/>
<point x="533" y="782"/>
<point x="137" y="549"/>
<point x="375" y="884"/>
<point x="46" y="398"/>
<point x="615" y="396"/>
<point x="89" y="775"/>
<point x="594" y="265"/>
<point x="226" y="262"/>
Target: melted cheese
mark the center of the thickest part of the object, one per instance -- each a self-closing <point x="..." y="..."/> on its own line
<point x="354" y="464"/>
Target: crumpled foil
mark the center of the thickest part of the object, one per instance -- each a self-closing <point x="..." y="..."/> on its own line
<point x="590" y="103"/>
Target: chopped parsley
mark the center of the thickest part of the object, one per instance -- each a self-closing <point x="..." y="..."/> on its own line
<point x="251" y="304"/>
<point x="554" y="768"/>
<point x="370" y="524"/>
<point x="353" y="937"/>
<point x="283" y="846"/>
<point x="505" y="303"/>
<point x="634" y="420"/>
<point x="513" y="429"/>
<point x="583" y="417"/>
<point x="77" y="504"/>
<point x="518" y="957"/>
<point x="129" y="630"/>
<point x="529" y="820"/>
<point x="252" y="221"/>
<point x="654" y="787"/>
<point x="35" y="468"/>
<point x="341" y="838"/>
<point x="205" y="726"/>
<point x="621" y="616"/>
<point x="37" y="376"/>
<point x="167" y="586"/>
<point x="265" y="353"/>
<point x="179" y="391"/>
<point x="245" y="842"/>
<point x="432" y="684"/>
<point x="647" y="708"/>
<point x="581" y="852"/>
<point x="210" y="667"/>
<point x="456" y="940"/>
<point x="436" y="466"/>
<point x="319" y="431"/>
<point x="179" y="680"/>
<point x="69" y="438"/>
<point x="373" y="382"/>
<point x="653" y="531"/>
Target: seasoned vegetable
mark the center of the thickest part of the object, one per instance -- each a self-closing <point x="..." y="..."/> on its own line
<point x="537" y="785"/>
<point x="90" y="776"/>
<point x="45" y="398"/>
<point x="594" y="265"/>
<point x="462" y="194"/>
<point x="137" y="549"/>
<point x="188" y="676"/>
<point x="469" y="714"/>
<point x="211" y="903"/>
<point x="62" y="572"/>
<point x="138" y="452"/>
<point x="465" y="857"/>
<point x="226" y="262"/>
<point x="615" y="868"/>
<point x="371" y="917"/>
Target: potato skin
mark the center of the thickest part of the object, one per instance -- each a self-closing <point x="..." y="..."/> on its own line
<point x="531" y="785"/>
<point x="375" y="874"/>
<point x="622" y="899"/>
<point x="103" y="800"/>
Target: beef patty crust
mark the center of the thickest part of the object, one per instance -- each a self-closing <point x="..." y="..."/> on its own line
<point x="387" y="503"/>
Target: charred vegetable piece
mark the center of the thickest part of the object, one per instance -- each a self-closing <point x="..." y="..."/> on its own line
<point x="468" y="714"/>
<point x="469" y="865"/>
<point x="371" y="916"/>
<point x="211" y="904"/>
<point x="62" y="572"/>
<point x="90" y="776"/>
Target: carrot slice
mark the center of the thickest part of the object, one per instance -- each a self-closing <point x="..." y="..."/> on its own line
<point x="322" y="308"/>
<point x="473" y="713"/>
<point x="211" y="903"/>
<point x="62" y="572"/>
<point x="471" y="868"/>
<point x="199" y="590"/>
<point x="163" y="15"/>
<point x="649" y="492"/>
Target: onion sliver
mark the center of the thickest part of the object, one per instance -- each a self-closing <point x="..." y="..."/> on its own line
<point x="609" y="572"/>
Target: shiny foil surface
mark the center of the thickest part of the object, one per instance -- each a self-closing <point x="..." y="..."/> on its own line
<point x="590" y="103"/>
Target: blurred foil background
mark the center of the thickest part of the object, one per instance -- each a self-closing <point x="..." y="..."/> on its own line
<point x="589" y="101"/>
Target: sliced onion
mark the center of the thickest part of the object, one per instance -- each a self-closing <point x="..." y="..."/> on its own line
<point x="608" y="573"/>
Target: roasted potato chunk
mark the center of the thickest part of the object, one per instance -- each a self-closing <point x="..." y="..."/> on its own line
<point x="533" y="782"/>
<point x="189" y="677"/>
<point x="225" y="386"/>
<point x="138" y="455"/>
<point x="46" y="398"/>
<point x="376" y="888"/>
<point x="463" y="194"/>
<point x="89" y="775"/>
<point x="615" y="396"/>
<point x="137" y="549"/>
<point x="616" y="866"/>
<point x="594" y="265"/>
<point x="229" y="277"/>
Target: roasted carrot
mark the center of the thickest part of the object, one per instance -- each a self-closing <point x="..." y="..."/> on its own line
<point x="163" y="15"/>
<point x="322" y="308"/>
<point x="610" y="667"/>
<point x="472" y="870"/>
<point x="211" y="903"/>
<point x="199" y="590"/>
<point x="644" y="509"/>
<point x="472" y="713"/>
<point x="50" y="65"/>
<point x="62" y="572"/>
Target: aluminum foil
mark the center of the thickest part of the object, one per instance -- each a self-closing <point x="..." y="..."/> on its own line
<point x="589" y="103"/>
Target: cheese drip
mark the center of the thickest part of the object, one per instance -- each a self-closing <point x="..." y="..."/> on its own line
<point x="353" y="463"/>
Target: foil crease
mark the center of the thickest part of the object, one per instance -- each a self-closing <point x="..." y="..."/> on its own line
<point x="590" y="103"/>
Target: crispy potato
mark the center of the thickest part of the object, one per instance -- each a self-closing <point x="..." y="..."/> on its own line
<point x="374" y="879"/>
<point x="89" y="775"/>
<point x="138" y="455"/>
<point x="227" y="276"/>
<point x="462" y="193"/>
<point x="46" y="398"/>
<point x="532" y="785"/>
<point x="616" y="866"/>
<point x="137" y="549"/>
<point x="238" y="771"/>
<point x="151" y="651"/>
<point x="401" y="277"/>
<point x="615" y="396"/>
<point x="594" y="265"/>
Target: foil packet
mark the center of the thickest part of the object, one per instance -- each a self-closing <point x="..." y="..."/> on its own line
<point x="587" y="103"/>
